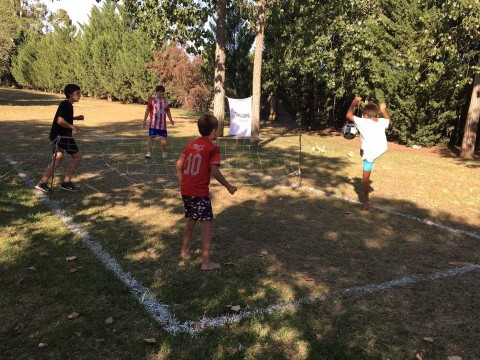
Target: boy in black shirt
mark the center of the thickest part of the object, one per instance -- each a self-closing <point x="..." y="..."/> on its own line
<point x="62" y="140"/>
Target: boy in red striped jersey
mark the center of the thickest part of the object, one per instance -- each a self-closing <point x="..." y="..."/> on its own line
<point x="199" y="161"/>
<point x="158" y="110"/>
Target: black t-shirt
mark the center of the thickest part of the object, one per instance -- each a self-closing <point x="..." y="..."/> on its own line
<point x="65" y="110"/>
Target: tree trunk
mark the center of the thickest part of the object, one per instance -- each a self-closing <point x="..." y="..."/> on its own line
<point x="272" y="107"/>
<point x="219" y="81"/>
<point x="471" y="126"/>
<point x="257" y="73"/>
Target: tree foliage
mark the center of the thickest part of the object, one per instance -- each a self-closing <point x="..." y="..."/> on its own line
<point x="418" y="56"/>
<point x="182" y="78"/>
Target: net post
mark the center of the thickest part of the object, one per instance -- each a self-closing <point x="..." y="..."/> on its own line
<point x="54" y="162"/>
<point x="300" y="158"/>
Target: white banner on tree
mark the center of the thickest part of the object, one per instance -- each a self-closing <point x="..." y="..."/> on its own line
<point x="240" y="116"/>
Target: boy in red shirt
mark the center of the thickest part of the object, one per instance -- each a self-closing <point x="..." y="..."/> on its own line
<point x="200" y="160"/>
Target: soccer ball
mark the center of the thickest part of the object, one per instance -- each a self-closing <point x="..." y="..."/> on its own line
<point x="349" y="131"/>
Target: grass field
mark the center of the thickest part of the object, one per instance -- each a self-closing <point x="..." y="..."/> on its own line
<point x="309" y="249"/>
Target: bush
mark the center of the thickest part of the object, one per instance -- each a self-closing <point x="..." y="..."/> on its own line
<point x="199" y="98"/>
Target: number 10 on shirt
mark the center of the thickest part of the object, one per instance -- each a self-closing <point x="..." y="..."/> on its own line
<point x="193" y="163"/>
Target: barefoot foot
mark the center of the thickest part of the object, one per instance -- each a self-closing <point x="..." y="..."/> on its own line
<point x="367" y="204"/>
<point x="210" y="266"/>
<point x="185" y="254"/>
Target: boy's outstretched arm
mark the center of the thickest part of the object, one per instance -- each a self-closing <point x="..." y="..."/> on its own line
<point x="354" y="103"/>
<point x="216" y="173"/>
<point x="383" y="110"/>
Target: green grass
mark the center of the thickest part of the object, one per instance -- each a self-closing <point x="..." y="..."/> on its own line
<point x="274" y="244"/>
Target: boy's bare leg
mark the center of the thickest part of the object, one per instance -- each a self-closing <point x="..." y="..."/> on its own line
<point x="206" y="243"/>
<point x="366" y="189"/>
<point x="51" y="168"/>
<point x="163" y="140"/>
<point x="187" y="236"/>
<point x="74" y="162"/>
<point x="150" y="144"/>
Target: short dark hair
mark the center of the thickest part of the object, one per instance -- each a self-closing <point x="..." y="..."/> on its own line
<point x="160" y="88"/>
<point x="206" y="124"/>
<point x="371" y="109"/>
<point x="70" y="89"/>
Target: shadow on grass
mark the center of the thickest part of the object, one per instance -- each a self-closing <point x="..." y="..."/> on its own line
<point x="16" y="97"/>
<point x="275" y="245"/>
<point x="39" y="290"/>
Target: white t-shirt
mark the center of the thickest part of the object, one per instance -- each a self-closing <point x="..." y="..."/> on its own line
<point x="374" y="140"/>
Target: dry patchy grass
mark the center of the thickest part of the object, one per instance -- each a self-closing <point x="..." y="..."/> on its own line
<point x="275" y="244"/>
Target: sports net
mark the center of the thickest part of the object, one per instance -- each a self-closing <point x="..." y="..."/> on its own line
<point x="118" y="164"/>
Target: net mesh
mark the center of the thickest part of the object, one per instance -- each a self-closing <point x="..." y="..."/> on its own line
<point x="116" y="164"/>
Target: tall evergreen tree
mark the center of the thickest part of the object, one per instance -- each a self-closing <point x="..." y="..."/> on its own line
<point x="8" y="34"/>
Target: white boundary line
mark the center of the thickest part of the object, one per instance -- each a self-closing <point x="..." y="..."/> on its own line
<point x="161" y="313"/>
<point x="393" y="212"/>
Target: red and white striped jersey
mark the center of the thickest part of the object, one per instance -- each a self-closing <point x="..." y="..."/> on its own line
<point x="158" y="109"/>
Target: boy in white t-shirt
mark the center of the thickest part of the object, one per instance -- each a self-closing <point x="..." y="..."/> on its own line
<point x="374" y="140"/>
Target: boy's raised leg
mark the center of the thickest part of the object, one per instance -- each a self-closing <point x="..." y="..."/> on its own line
<point x="206" y="244"/>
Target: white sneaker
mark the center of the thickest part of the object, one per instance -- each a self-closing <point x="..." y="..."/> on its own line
<point x="164" y="155"/>
<point x="148" y="155"/>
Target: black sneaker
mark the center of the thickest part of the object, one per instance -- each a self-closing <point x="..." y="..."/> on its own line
<point x="43" y="187"/>
<point x="68" y="186"/>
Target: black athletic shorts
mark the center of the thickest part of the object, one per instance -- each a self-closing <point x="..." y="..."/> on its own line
<point x="65" y="145"/>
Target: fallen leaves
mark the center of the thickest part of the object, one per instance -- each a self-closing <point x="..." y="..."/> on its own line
<point x="263" y="253"/>
<point x="109" y="320"/>
<point x="428" y="339"/>
<point x="73" y="315"/>
<point x="151" y="250"/>
<point x="235" y="308"/>
<point x="454" y="357"/>
<point x="19" y="328"/>
<point x="43" y="253"/>
<point x="70" y="258"/>
<point x="150" y="340"/>
<point x="73" y="270"/>
<point x="42" y="345"/>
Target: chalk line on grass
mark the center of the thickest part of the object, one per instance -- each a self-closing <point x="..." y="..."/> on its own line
<point x="161" y="313"/>
<point x="193" y="328"/>
<point x="393" y="212"/>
